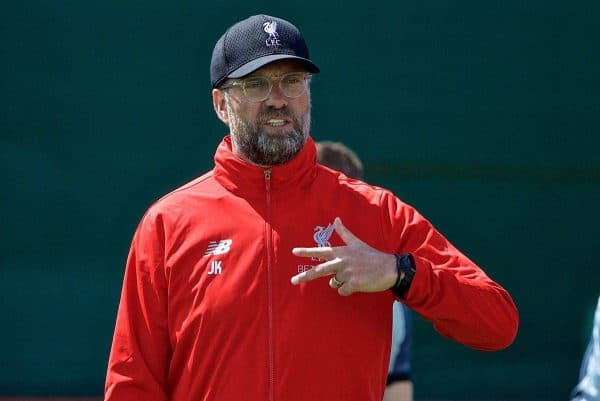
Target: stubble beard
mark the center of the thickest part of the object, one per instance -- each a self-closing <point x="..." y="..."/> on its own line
<point x="262" y="148"/>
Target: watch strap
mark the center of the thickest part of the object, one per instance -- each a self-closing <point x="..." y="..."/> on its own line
<point x="405" y="266"/>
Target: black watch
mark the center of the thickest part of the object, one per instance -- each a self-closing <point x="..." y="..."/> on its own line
<point x="404" y="264"/>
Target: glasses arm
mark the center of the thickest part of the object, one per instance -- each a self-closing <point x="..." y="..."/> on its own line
<point x="231" y="85"/>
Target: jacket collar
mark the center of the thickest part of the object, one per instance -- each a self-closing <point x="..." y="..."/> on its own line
<point x="242" y="178"/>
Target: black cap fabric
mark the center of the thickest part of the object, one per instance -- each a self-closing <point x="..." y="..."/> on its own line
<point x="255" y="42"/>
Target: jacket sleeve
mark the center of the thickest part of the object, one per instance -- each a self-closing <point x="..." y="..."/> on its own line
<point x="140" y="352"/>
<point x="450" y="290"/>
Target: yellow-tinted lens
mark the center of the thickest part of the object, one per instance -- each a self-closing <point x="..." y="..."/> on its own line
<point x="293" y="85"/>
<point x="257" y="88"/>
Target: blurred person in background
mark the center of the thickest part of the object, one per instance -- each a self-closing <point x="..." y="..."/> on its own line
<point x="399" y="386"/>
<point x="588" y="388"/>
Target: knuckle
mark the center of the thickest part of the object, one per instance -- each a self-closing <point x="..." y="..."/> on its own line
<point x="344" y="291"/>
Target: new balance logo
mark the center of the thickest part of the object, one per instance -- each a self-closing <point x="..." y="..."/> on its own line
<point x="218" y="247"/>
<point x="215" y="267"/>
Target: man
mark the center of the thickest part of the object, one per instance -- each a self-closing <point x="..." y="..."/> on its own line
<point x="399" y="386"/>
<point x="588" y="388"/>
<point x="272" y="277"/>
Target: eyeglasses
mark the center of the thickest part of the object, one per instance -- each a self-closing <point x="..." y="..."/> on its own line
<point x="258" y="88"/>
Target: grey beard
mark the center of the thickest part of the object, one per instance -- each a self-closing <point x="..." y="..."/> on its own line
<point x="265" y="149"/>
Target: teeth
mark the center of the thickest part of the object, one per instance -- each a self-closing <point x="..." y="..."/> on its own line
<point x="276" y="122"/>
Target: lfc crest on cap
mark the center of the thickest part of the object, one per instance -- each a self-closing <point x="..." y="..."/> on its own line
<point x="271" y="29"/>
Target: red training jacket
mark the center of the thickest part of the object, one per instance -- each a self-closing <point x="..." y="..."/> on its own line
<point x="208" y="313"/>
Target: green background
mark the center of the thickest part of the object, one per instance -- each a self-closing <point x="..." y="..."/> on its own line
<point x="483" y="115"/>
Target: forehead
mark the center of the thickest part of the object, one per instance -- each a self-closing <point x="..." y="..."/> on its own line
<point x="280" y="67"/>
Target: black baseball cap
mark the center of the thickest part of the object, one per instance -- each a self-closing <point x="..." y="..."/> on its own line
<point x="254" y="42"/>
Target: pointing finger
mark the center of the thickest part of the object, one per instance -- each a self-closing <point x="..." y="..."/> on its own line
<point x="324" y="253"/>
<point x="318" y="271"/>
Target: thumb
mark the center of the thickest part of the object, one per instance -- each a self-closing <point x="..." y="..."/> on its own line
<point x="345" y="234"/>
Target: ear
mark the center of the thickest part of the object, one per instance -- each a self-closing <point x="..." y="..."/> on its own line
<point x="218" y="97"/>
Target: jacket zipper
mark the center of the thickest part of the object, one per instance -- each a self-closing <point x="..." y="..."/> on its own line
<point x="268" y="229"/>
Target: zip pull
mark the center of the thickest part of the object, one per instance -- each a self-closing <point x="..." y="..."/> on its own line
<point x="268" y="179"/>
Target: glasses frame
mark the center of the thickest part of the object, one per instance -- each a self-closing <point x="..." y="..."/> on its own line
<point x="242" y="82"/>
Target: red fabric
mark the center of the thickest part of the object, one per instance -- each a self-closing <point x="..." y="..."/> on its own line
<point x="247" y="333"/>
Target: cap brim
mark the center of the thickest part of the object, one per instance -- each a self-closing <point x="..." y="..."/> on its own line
<point x="262" y="61"/>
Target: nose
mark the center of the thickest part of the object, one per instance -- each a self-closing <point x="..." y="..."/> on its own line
<point x="276" y="98"/>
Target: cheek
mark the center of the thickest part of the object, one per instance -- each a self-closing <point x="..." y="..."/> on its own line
<point x="299" y="106"/>
<point x="248" y="113"/>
